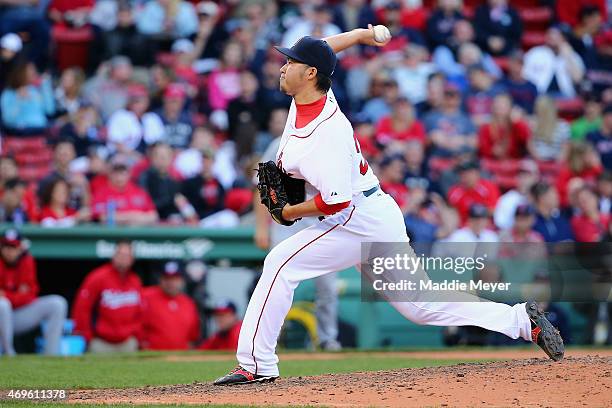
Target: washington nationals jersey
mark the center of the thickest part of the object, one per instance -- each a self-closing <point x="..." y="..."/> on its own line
<point x="326" y="154"/>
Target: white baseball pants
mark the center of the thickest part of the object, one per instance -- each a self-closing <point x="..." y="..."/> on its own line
<point x="335" y="244"/>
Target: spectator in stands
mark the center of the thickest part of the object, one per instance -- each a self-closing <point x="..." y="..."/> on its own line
<point x="270" y="93"/>
<point x="108" y="90"/>
<point x="130" y="130"/>
<point x="224" y="81"/>
<point x="401" y="35"/>
<point x="70" y="13"/>
<point x="391" y="173"/>
<point x="550" y="222"/>
<point x="55" y="209"/>
<point x="159" y="183"/>
<point x="528" y="175"/>
<point x="27" y="101"/>
<point x="480" y="94"/>
<point x="476" y="228"/>
<point x="555" y="68"/>
<point x="380" y="105"/>
<point x="21" y="309"/>
<point x="170" y="319"/>
<point x="211" y="33"/>
<point x="63" y="155"/>
<point x="161" y="77"/>
<point x="121" y="201"/>
<point x="401" y="125"/>
<point x="550" y="133"/>
<point x="19" y="16"/>
<point x="188" y="162"/>
<point x="428" y="217"/>
<point x="523" y="92"/>
<point x="604" y="191"/>
<point x="8" y="170"/>
<point x="582" y="37"/>
<point x="172" y="18"/>
<point x="176" y="121"/>
<point x="68" y="92"/>
<point x="414" y="159"/>
<point x="582" y="162"/>
<point x="184" y="56"/>
<point x="449" y="129"/>
<point x="314" y="18"/>
<point x="434" y="95"/>
<point x="503" y="137"/>
<point x="12" y="209"/>
<point x="452" y="62"/>
<point x="472" y="189"/>
<point x="245" y="115"/>
<point x="522" y="227"/>
<point x="590" y="121"/>
<point x="228" y="328"/>
<point x="602" y="139"/>
<point x="413" y="73"/>
<point x="589" y="224"/>
<point x="107" y="310"/>
<point x="498" y="27"/>
<point x="10" y="47"/>
<point x="352" y="14"/>
<point x="124" y="39"/>
<point x="276" y="125"/>
<point x="83" y="129"/>
<point x="204" y="191"/>
<point x="441" y="22"/>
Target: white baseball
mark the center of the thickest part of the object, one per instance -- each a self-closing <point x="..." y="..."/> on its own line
<point x="381" y="33"/>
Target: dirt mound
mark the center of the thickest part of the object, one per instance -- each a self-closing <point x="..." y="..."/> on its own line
<point x="536" y="382"/>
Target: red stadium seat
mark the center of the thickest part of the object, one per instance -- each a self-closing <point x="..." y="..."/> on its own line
<point x="536" y="17"/>
<point x="508" y="167"/>
<point x="570" y="109"/>
<point x="71" y="46"/>
<point x="15" y="144"/>
<point x="34" y="173"/>
<point x="533" y="38"/>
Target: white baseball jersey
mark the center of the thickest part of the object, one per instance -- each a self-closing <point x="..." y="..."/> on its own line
<point x="326" y="154"/>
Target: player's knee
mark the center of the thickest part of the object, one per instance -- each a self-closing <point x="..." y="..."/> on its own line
<point x="5" y="306"/>
<point x="56" y="305"/>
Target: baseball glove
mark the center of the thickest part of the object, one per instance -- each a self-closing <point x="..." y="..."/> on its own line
<point x="276" y="189"/>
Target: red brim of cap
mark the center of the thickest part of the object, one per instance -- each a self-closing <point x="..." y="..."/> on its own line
<point x="10" y="242"/>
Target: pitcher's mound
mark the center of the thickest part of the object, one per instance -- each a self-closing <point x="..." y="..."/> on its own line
<point x="537" y="382"/>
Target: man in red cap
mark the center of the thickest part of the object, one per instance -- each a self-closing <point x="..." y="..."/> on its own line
<point x="122" y="202"/>
<point x="176" y="121"/>
<point x="21" y="310"/>
<point x="228" y="328"/>
<point x="108" y="307"/>
<point x="170" y="318"/>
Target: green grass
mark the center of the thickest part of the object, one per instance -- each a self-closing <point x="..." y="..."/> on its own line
<point x="135" y="370"/>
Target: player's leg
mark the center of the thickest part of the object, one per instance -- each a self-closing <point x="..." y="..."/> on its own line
<point x="323" y="248"/>
<point x="326" y="311"/>
<point x="6" y="327"/>
<point x="50" y="308"/>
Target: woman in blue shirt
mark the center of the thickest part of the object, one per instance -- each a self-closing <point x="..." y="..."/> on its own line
<point x="23" y="105"/>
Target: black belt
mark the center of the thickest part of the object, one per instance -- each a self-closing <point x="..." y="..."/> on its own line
<point x="371" y="191"/>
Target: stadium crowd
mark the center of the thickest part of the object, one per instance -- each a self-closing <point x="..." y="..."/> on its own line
<point x="485" y="120"/>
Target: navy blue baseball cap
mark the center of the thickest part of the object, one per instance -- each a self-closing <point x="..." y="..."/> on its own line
<point x="313" y="52"/>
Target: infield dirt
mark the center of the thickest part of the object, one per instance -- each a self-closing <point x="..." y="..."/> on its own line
<point x="582" y="379"/>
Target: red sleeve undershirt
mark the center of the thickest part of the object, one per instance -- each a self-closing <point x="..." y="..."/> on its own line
<point x="329" y="209"/>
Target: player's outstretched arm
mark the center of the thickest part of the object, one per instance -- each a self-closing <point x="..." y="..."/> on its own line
<point x="377" y="36"/>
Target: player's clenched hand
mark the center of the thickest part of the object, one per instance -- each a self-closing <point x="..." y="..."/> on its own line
<point x="378" y="36"/>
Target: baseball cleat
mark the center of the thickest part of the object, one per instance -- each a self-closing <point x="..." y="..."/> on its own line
<point x="543" y="333"/>
<point x="241" y="376"/>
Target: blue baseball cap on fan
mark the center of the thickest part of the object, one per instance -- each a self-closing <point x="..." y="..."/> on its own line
<point x="314" y="52"/>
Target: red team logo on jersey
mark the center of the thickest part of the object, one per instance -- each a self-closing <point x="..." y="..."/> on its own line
<point x="363" y="165"/>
